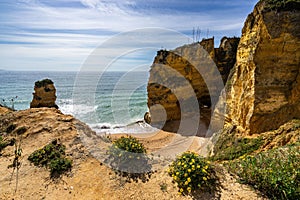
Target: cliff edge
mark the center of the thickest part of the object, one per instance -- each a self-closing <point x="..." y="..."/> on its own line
<point x="263" y="91"/>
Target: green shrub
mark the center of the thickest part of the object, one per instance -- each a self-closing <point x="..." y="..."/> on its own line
<point x="191" y="172"/>
<point x="59" y="165"/>
<point x="52" y="156"/>
<point x="127" y="156"/>
<point x="43" y="83"/>
<point x="275" y="172"/>
<point x="228" y="145"/>
<point x="238" y="147"/>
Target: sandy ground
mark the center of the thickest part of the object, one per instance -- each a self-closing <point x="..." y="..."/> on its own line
<point x="89" y="178"/>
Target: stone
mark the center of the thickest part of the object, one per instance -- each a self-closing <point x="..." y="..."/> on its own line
<point x="44" y="94"/>
<point x="263" y="91"/>
<point x="194" y="72"/>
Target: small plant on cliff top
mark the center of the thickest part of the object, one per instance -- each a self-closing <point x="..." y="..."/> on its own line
<point x="128" y="157"/>
<point x="279" y="5"/>
<point x="191" y="172"/>
<point x="52" y="156"/>
<point x="43" y="83"/>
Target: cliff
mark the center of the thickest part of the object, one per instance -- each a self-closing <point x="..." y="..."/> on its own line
<point x="192" y="72"/>
<point x="44" y="94"/>
<point x="263" y="91"/>
<point x="89" y="178"/>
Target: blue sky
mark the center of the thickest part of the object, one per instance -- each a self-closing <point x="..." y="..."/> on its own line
<point x="59" y="35"/>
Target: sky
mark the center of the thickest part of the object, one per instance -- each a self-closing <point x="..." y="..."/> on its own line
<point x="60" y="35"/>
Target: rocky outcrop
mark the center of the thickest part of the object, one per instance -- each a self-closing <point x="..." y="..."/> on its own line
<point x="44" y="94"/>
<point x="263" y="91"/>
<point x="192" y="72"/>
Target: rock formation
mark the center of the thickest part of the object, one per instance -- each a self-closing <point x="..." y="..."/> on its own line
<point x="264" y="87"/>
<point x="190" y="67"/>
<point x="44" y="94"/>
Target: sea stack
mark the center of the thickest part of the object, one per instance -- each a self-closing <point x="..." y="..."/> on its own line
<point x="44" y="94"/>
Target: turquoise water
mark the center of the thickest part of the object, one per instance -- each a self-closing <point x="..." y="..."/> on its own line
<point x="119" y="98"/>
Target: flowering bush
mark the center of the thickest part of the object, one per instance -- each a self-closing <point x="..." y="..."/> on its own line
<point x="128" y="157"/>
<point x="191" y="172"/>
<point x="275" y="172"/>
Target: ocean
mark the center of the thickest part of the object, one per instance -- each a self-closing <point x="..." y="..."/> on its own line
<point x="116" y="105"/>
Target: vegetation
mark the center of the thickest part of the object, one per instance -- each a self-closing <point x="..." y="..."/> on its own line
<point x="229" y="146"/>
<point x="281" y="5"/>
<point x="43" y="83"/>
<point x="53" y="157"/>
<point x="275" y="172"/>
<point x="191" y="172"/>
<point x="4" y="143"/>
<point x="127" y="156"/>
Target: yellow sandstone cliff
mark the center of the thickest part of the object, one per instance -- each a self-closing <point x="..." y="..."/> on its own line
<point x="264" y="87"/>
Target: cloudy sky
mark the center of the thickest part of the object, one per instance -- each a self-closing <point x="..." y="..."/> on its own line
<point x="54" y="35"/>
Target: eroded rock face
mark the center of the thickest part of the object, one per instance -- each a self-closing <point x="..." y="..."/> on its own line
<point x="192" y="72"/>
<point x="44" y="94"/>
<point x="264" y="87"/>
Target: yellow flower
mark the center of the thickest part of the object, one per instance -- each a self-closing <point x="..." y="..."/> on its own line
<point x="185" y="175"/>
<point x="204" y="178"/>
<point x="189" y="170"/>
<point x="204" y="171"/>
<point x="181" y="189"/>
<point x="198" y="166"/>
<point x="193" y="160"/>
<point x="188" y="179"/>
<point x="175" y="178"/>
<point x="186" y="183"/>
<point x="185" y="166"/>
<point x="178" y="163"/>
<point x="189" y="189"/>
<point x="208" y="162"/>
<point x="177" y="173"/>
<point x="206" y="167"/>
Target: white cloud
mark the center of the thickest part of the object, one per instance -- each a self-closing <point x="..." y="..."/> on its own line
<point x="62" y="34"/>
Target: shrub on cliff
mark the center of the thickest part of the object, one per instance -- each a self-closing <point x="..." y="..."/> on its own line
<point x="191" y="172"/>
<point x="229" y="146"/>
<point x="275" y="172"/>
<point x="127" y="156"/>
<point x="43" y="83"/>
<point x="281" y="5"/>
<point x="53" y="157"/>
